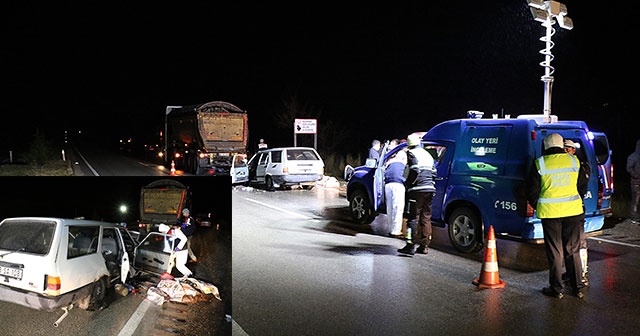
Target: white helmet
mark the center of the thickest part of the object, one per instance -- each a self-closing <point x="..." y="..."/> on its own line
<point x="413" y="140"/>
<point x="185" y="211"/>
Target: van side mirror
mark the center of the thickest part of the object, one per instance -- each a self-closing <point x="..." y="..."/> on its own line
<point x="370" y="163"/>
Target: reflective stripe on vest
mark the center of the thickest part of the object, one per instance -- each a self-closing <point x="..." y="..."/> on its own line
<point x="423" y="158"/>
<point x="559" y="195"/>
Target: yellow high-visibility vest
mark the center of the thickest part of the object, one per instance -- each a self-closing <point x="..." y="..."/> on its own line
<point x="559" y="195"/>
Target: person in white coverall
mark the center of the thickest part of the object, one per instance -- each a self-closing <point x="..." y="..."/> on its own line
<point x="394" y="192"/>
<point x="180" y="253"/>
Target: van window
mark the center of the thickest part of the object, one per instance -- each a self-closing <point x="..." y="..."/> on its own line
<point x="83" y="240"/>
<point x="27" y="236"/>
<point x="240" y="161"/>
<point x="158" y="242"/>
<point x="276" y="157"/>
<point x="580" y="154"/>
<point x="263" y="158"/>
<point x="601" y="147"/>
<point x="483" y="150"/>
<point x="301" y="154"/>
<point x="437" y="153"/>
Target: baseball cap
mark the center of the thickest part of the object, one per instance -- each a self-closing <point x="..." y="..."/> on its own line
<point x="570" y="143"/>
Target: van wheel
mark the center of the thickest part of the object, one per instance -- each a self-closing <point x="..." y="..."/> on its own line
<point x="98" y="293"/>
<point x="465" y="230"/>
<point x="268" y="181"/>
<point x="361" y="211"/>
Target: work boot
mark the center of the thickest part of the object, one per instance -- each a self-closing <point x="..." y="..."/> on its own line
<point x="585" y="280"/>
<point x="548" y="291"/>
<point x="409" y="249"/>
<point x="422" y="249"/>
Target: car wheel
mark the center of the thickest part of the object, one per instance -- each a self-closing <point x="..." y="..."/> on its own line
<point x="268" y="181"/>
<point x="361" y="211"/>
<point x="465" y="230"/>
<point x="98" y="293"/>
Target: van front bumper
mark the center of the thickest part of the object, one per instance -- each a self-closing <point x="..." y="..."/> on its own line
<point x="40" y="302"/>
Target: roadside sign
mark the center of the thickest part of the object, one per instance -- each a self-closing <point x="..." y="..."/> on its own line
<point x="305" y="126"/>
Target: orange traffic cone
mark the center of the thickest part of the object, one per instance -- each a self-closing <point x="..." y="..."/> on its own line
<point x="173" y="168"/>
<point x="489" y="277"/>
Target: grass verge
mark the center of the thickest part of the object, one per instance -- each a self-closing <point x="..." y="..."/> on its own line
<point x="49" y="168"/>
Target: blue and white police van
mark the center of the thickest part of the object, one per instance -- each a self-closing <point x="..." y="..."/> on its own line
<point x="481" y="167"/>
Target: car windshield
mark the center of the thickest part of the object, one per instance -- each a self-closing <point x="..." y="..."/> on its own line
<point x="27" y="236"/>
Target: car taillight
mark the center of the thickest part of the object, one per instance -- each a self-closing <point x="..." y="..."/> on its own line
<point x="611" y="178"/>
<point x="53" y="285"/>
<point x="530" y="210"/>
<point x="285" y="170"/>
<point x="600" y="194"/>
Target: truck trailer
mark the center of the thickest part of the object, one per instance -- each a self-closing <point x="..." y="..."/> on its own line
<point x="161" y="202"/>
<point x="207" y="139"/>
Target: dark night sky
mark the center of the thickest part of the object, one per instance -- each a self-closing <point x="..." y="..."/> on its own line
<point x="381" y="71"/>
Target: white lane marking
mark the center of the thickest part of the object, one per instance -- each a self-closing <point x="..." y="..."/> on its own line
<point x="95" y="173"/>
<point x="614" y="242"/>
<point x="279" y="209"/>
<point x="135" y="319"/>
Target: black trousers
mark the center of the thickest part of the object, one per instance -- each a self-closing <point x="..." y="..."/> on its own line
<point x="562" y="242"/>
<point x="419" y="218"/>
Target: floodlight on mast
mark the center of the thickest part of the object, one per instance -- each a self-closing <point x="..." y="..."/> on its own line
<point x="547" y="12"/>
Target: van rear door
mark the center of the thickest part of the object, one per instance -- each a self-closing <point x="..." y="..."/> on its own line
<point x="442" y="153"/>
<point x="605" y="170"/>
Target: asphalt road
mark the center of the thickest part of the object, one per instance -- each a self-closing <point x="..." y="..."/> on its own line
<point x="301" y="268"/>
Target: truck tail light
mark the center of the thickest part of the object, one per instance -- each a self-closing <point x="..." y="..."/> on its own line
<point x="53" y="285"/>
<point x="530" y="210"/>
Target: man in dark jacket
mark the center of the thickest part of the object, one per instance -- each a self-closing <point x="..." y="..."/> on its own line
<point x="633" y="168"/>
<point x="554" y="188"/>
<point x="188" y="226"/>
<point x="420" y="186"/>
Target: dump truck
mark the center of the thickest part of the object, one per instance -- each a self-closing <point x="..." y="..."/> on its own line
<point x="207" y="139"/>
<point x="161" y="202"/>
